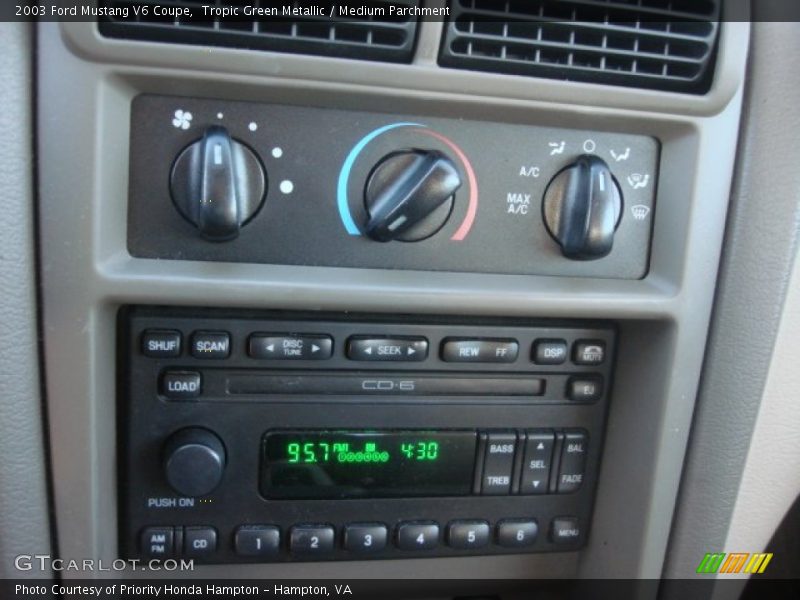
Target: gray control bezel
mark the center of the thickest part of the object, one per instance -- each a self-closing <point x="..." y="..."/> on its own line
<point x="86" y="85"/>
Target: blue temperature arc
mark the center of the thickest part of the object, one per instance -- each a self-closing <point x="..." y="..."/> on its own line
<point x="344" y="174"/>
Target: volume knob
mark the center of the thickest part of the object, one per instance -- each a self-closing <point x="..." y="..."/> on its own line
<point x="194" y="461"/>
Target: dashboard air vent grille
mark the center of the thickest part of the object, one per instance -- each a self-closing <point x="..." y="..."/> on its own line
<point x="375" y="34"/>
<point x="657" y="44"/>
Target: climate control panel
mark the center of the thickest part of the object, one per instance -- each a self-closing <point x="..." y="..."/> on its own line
<point x="246" y="182"/>
<point x="246" y="436"/>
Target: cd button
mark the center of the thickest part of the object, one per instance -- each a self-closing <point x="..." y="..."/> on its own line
<point x="484" y="351"/>
<point x="387" y="349"/>
<point x="199" y="542"/>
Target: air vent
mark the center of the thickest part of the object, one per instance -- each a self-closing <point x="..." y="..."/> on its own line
<point x="657" y="44"/>
<point x="373" y="34"/>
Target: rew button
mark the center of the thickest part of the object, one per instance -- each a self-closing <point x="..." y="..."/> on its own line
<point x="482" y="351"/>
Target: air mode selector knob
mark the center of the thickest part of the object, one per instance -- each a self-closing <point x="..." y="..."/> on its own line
<point x="194" y="461"/>
<point x="410" y="195"/>
<point x="217" y="184"/>
<point x="582" y="207"/>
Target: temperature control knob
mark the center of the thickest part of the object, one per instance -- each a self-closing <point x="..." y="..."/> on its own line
<point x="217" y="184"/>
<point x="194" y="461"/>
<point x="582" y="208"/>
<point x="410" y="195"/>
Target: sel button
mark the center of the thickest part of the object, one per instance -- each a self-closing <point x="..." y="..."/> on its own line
<point x="537" y="462"/>
<point x="387" y="349"/>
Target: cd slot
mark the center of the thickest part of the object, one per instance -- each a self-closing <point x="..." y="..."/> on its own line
<point x="371" y="383"/>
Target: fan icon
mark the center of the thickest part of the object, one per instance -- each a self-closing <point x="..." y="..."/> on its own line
<point x="182" y="120"/>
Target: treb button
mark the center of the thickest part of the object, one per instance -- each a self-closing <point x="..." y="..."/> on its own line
<point x="410" y="349"/>
<point x="498" y="464"/>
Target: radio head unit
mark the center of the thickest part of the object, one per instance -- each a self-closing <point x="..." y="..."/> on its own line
<point x="255" y="436"/>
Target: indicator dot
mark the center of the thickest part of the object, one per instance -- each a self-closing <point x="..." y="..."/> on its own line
<point x="287" y="186"/>
<point x="252" y="126"/>
<point x="219" y="115"/>
<point x="277" y="152"/>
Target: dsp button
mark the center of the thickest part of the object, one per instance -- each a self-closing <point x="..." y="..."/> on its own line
<point x="498" y="464"/>
<point x="409" y="349"/>
<point x="290" y="347"/>
<point x="161" y="343"/>
<point x="549" y="352"/>
<point x="483" y="351"/>
<point x="181" y="384"/>
<point x="211" y="344"/>
<point x="537" y="462"/>
<point x="573" y="462"/>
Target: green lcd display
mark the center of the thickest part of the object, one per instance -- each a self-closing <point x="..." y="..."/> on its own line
<point x="364" y="464"/>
